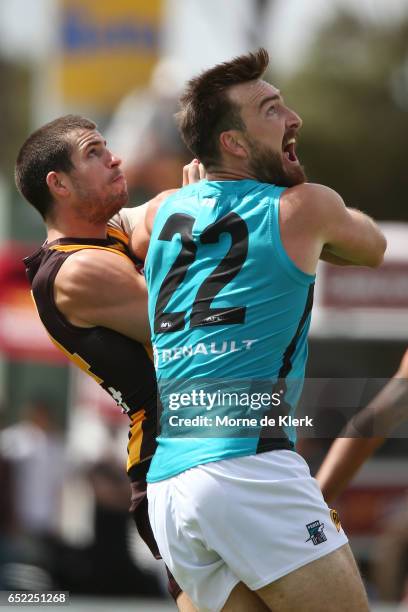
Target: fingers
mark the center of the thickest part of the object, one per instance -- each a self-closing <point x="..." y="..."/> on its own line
<point x="203" y="173"/>
<point x="193" y="172"/>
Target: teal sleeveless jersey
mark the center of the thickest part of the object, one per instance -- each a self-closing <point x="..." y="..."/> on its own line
<point x="229" y="314"/>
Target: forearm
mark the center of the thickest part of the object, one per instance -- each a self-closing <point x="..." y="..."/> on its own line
<point x="384" y="413"/>
<point x="344" y="459"/>
<point x="366" y="431"/>
<point x="329" y="257"/>
<point x="140" y="236"/>
<point x="364" y="246"/>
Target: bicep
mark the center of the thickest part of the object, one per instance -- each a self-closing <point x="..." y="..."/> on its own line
<point x="123" y="308"/>
<point x="103" y="289"/>
<point x="346" y="233"/>
<point x="343" y="226"/>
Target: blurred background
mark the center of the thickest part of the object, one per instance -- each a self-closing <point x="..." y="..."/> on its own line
<point x="343" y="66"/>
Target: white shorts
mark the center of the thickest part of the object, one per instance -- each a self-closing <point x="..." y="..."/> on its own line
<point x="251" y="519"/>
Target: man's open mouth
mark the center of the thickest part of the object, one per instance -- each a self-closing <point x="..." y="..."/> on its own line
<point x="289" y="151"/>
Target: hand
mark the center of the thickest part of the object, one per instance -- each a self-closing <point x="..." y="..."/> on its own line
<point x="193" y="172"/>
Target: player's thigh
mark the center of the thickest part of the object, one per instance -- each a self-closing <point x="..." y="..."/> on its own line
<point x="184" y="603"/>
<point x="241" y="599"/>
<point x="331" y="584"/>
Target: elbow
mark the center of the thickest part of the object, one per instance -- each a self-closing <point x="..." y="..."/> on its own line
<point x="377" y="256"/>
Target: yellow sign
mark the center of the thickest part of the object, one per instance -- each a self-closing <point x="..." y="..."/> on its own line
<point x="107" y="49"/>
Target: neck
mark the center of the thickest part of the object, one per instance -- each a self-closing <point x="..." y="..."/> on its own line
<point x="229" y="173"/>
<point x="79" y="229"/>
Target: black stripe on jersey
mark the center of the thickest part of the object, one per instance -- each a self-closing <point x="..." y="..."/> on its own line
<point x="287" y="355"/>
<point x="273" y="438"/>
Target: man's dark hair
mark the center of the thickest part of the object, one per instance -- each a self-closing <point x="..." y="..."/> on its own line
<point x="206" y="110"/>
<point x="45" y="150"/>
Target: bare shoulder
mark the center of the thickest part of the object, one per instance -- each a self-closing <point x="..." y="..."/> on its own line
<point x="310" y="199"/>
<point x="312" y="191"/>
<point x="345" y="236"/>
<point x="90" y="266"/>
<point x="304" y="213"/>
<point x="96" y="277"/>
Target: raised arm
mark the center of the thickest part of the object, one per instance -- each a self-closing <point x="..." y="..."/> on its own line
<point x="346" y="233"/>
<point x="140" y="238"/>
<point x="348" y="452"/>
<point x="316" y="224"/>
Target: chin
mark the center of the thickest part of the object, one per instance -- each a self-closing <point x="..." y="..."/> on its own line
<point x="103" y="214"/>
<point x="117" y="204"/>
<point x="113" y="211"/>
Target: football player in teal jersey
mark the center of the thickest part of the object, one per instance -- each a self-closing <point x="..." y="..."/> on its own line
<point x="230" y="273"/>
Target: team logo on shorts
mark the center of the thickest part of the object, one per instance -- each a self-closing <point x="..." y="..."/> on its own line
<point x="316" y="533"/>
<point x="334" y="515"/>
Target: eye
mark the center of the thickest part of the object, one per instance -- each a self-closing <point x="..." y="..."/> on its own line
<point x="271" y="109"/>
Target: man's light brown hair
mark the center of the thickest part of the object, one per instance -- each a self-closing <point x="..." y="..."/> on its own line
<point x="206" y="110"/>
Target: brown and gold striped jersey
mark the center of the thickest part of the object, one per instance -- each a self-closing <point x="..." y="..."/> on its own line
<point x="122" y="366"/>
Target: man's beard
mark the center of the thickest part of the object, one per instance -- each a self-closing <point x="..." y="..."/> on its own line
<point x="268" y="167"/>
<point x="97" y="210"/>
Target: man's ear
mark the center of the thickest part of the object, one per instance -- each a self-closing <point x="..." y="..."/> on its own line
<point x="233" y="142"/>
<point x="57" y="184"/>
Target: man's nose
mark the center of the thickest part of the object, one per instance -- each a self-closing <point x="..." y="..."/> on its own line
<point x="115" y="160"/>
<point x="293" y="120"/>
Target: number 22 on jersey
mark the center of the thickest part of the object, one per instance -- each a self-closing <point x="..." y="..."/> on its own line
<point x="227" y="269"/>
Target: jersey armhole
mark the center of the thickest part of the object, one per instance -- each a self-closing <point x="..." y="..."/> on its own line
<point x="288" y="265"/>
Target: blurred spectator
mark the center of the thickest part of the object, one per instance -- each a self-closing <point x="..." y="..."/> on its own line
<point x="6" y="506"/>
<point x="32" y="553"/>
<point x="105" y="566"/>
<point x="144" y="133"/>
<point x="6" y="516"/>
<point x="390" y="562"/>
<point x="32" y="456"/>
<point x="35" y="451"/>
<point x="99" y="555"/>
